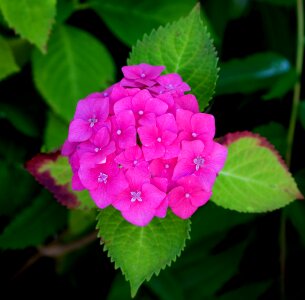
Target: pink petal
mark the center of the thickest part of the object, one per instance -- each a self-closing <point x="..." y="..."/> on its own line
<point x="152" y="195"/>
<point x="183" y="118"/>
<point x="217" y="157"/>
<point x="155" y="151"/>
<point x="123" y="104"/>
<point x="183" y="168"/>
<point x="148" y="135"/>
<point x="156" y="106"/>
<point x="138" y="215"/>
<point x="76" y="183"/>
<point x="100" y="196"/>
<point x="203" y="124"/>
<point x="128" y="138"/>
<point x="132" y="72"/>
<point x="167" y="122"/>
<point x="102" y="138"/>
<point x="188" y="102"/>
<point x="79" y="131"/>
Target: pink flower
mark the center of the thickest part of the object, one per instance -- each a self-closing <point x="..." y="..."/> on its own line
<point x="187" y="196"/>
<point x="195" y="159"/>
<point x="97" y="149"/>
<point x="123" y="129"/>
<point x="143" y="105"/>
<point x="91" y="114"/>
<point x="132" y="158"/>
<point x="139" y="201"/>
<point x="159" y="140"/>
<point x="104" y="181"/>
<point x="163" y="168"/>
<point x="142" y="146"/>
<point x="197" y="126"/>
<point x="170" y="83"/>
<point x="140" y="75"/>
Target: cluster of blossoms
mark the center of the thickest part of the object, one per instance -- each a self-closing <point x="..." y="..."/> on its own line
<point x="143" y="146"/>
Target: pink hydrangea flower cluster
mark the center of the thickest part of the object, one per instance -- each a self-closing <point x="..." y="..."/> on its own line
<point x="143" y="146"/>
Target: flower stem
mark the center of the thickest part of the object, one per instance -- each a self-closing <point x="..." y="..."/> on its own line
<point x="297" y="86"/>
<point x="291" y="132"/>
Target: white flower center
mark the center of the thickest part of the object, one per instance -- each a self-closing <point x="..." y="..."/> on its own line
<point x="143" y="75"/>
<point x="166" y="166"/>
<point x="135" y="196"/>
<point x="135" y="162"/>
<point x="170" y="86"/>
<point x="194" y="134"/>
<point x="119" y="131"/>
<point x="102" y="177"/>
<point x="159" y="140"/>
<point x="92" y="121"/>
<point x="198" y="161"/>
<point x="141" y="112"/>
<point x="187" y="195"/>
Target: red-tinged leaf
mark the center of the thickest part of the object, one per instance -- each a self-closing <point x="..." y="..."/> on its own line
<point x="255" y="177"/>
<point x="53" y="171"/>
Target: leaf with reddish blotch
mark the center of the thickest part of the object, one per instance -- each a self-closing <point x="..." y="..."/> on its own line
<point x="255" y="177"/>
<point x="53" y="171"/>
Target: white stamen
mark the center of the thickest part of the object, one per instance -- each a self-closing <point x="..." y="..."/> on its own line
<point x="105" y="94"/>
<point x="135" y="162"/>
<point x="135" y="196"/>
<point x="166" y="166"/>
<point x="194" y="134"/>
<point x="198" y="161"/>
<point x="97" y="149"/>
<point x="143" y="75"/>
<point x="187" y="195"/>
<point x="159" y="139"/>
<point x="102" y="177"/>
<point x="170" y="86"/>
<point x="92" y="121"/>
<point x="141" y="112"/>
<point x="118" y="132"/>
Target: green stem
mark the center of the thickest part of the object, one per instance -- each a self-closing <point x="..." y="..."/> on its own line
<point x="291" y="132"/>
<point x="297" y="86"/>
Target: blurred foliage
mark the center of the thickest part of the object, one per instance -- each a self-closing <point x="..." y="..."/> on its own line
<point x="52" y="53"/>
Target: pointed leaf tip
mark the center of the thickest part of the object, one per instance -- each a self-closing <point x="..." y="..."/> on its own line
<point x="141" y="252"/>
<point x="184" y="47"/>
<point x="255" y="177"/>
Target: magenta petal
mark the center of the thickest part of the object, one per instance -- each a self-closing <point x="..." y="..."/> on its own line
<point x="183" y="118"/>
<point x="123" y="201"/>
<point x="183" y="168"/>
<point x="203" y="124"/>
<point x="155" y="151"/>
<point x="217" y="158"/>
<point x="101" y="138"/>
<point x="121" y="105"/>
<point x="76" y="183"/>
<point x="101" y="198"/>
<point x="132" y="72"/>
<point x="200" y="197"/>
<point x="79" y="131"/>
<point x="188" y="102"/>
<point x="138" y="215"/>
<point x="156" y="106"/>
<point x="152" y="195"/>
<point x="148" y="135"/>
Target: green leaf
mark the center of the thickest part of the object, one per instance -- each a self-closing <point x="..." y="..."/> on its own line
<point x="184" y="47"/>
<point x="22" y="50"/>
<point x="19" y="119"/>
<point x="55" y="132"/>
<point x="32" y="19"/>
<point x="256" y="72"/>
<point x="76" y="64"/>
<point x="302" y="113"/>
<point x="255" y="178"/>
<point x="79" y="221"/>
<point x="276" y="134"/>
<point x="282" y="86"/>
<point x="141" y="252"/>
<point x="33" y="225"/>
<point x="8" y="65"/>
<point x="64" y="10"/>
<point x="54" y="172"/>
<point x="130" y="19"/>
<point x="15" y="198"/>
